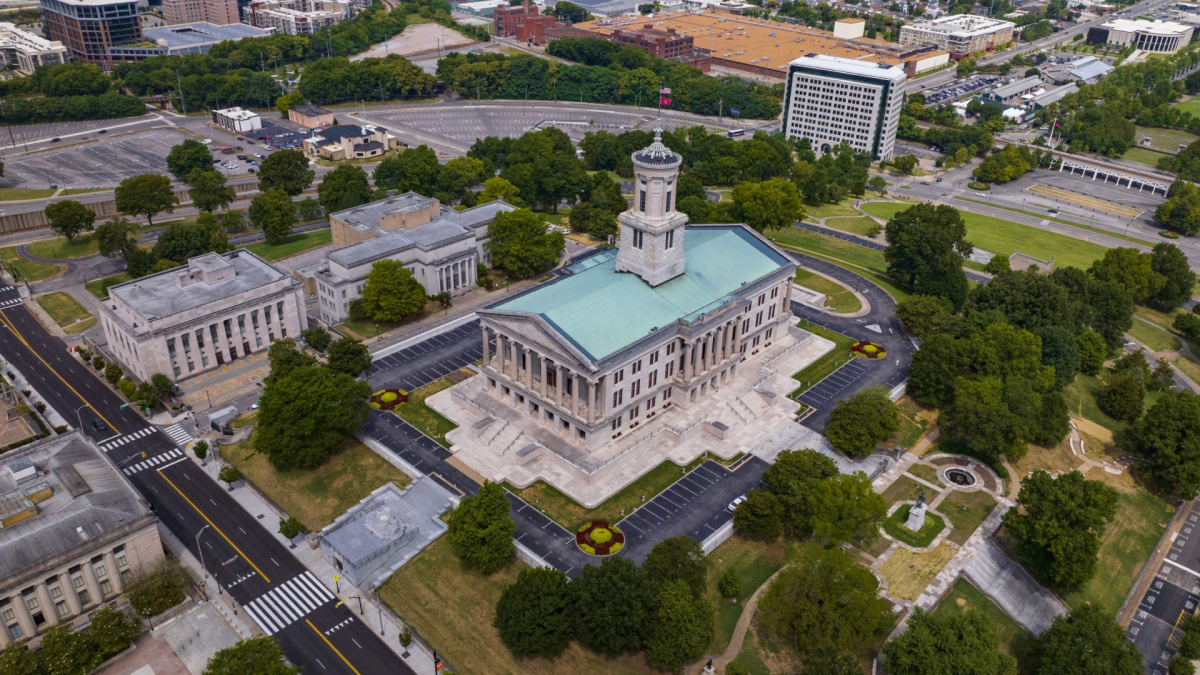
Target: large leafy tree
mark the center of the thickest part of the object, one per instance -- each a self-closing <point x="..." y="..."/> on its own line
<point x="181" y="240"/>
<point x="926" y="249"/>
<point x="260" y="655"/>
<point x="1061" y="351"/>
<point x="481" y="531"/>
<point x="614" y="607"/>
<point x="1092" y="351"/>
<point x="1168" y="436"/>
<point x="412" y="170"/>
<point x="495" y="188"/>
<point x="454" y="177"/>
<point x="934" y="368"/>
<point x="677" y="559"/>
<point x="285" y="170"/>
<point x="1170" y="262"/>
<point x="274" y="212"/>
<point x="1086" y="641"/>
<point x="792" y="479"/>
<point x="392" y="292"/>
<point x="114" y="236"/>
<point x="824" y="602"/>
<point x="344" y="188"/>
<point x="681" y="629"/>
<point x="1058" y="526"/>
<point x="305" y="415"/>
<point x="208" y="190"/>
<point x="948" y="644"/>
<point x="520" y="245"/>
<point x="1182" y="211"/>
<point x="1132" y="269"/>
<point x="190" y="155"/>
<point x="845" y="507"/>
<point x="145" y="195"/>
<point x="980" y="418"/>
<point x="759" y="517"/>
<point x="1122" y="396"/>
<point x="926" y="315"/>
<point x="770" y="205"/>
<point x="536" y="615"/>
<point x="866" y="419"/>
<point x="348" y="356"/>
<point x="70" y="218"/>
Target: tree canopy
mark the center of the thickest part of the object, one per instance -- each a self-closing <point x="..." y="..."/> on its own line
<point x="285" y="170"/>
<point x="260" y="655"/>
<point x="926" y="249"/>
<point x="344" y="188"/>
<point x="188" y="156"/>
<point x="536" y="615"/>
<point x="392" y="292"/>
<point x="948" y="644"/>
<point x="1086" y="641"/>
<point x="145" y="195"/>
<point x="866" y="419"/>
<point x="307" y="414"/>
<point x="1168" y="437"/>
<point x="70" y="218"/>
<point x="520" y="245"/>
<point x="481" y="531"/>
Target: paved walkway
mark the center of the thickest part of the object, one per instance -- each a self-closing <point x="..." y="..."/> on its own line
<point x="739" y="633"/>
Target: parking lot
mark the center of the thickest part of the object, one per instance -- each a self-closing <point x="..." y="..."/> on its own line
<point x="99" y="162"/>
<point x="428" y="360"/>
<point x="31" y="133"/>
<point x="960" y="88"/>
<point x="1174" y="593"/>
<point x="833" y="387"/>
<point x="279" y="134"/>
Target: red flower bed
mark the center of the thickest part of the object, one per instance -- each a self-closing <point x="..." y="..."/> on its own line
<point x="599" y="538"/>
<point x="387" y="399"/>
<point x="868" y="350"/>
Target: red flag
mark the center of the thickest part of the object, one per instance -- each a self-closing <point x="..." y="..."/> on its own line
<point x="664" y="100"/>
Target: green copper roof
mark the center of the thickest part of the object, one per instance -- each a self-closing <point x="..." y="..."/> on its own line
<point x="602" y="311"/>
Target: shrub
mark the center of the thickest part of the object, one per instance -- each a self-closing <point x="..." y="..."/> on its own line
<point x="154" y="592"/>
<point x="113" y="373"/>
<point x="128" y="388"/>
<point x="389" y="396"/>
<point x="290" y="527"/>
<point x="40" y="406"/>
<point x="200" y="448"/>
<point x="97" y="362"/>
<point x="729" y="584"/>
<point x="737" y="668"/>
<point x="979" y="186"/>
<point x="318" y="338"/>
<point x="1167" y="234"/>
<point x="601" y="535"/>
<point x="83" y="353"/>
<point x="228" y="475"/>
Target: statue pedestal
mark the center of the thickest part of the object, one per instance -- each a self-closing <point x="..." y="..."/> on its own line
<point x="916" y="518"/>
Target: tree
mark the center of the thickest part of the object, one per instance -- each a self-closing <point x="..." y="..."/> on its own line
<point x="1059" y="525"/>
<point x="1122" y="396"/>
<point x="1088" y="640"/>
<point x="348" y="356"/>
<point x="948" y="644"/>
<point x="824" y="602"/>
<point x="275" y="213"/>
<point x="208" y="190"/>
<point x="599" y="223"/>
<point x="770" y="205"/>
<point x="69" y="218"/>
<point x="305" y="415"/>
<point x="113" y="237"/>
<point x="285" y="170"/>
<point x="288" y="101"/>
<point x="614" y="607"/>
<point x="162" y="384"/>
<point x="260" y="655"/>
<point x="1168" y="437"/>
<point x="157" y="589"/>
<point x="536" y="615"/>
<point x="999" y="263"/>
<point x="729" y="584"/>
<point x="481" y="531"/>
<point x="411" y="170"/>
<point x="1188" y="325"/>
<point x="905" y="164"/>
<point x="981" y="419"/>
<point x="791" y="479"/>
<point x="229" y="475"/>
<point x="863" y="421"/>
<point x="878" y="184"/>
<point x="1060" y="350"/>
<point x="344" y="188"/>
<point x="1092" y="351"/>
<point x="290" y="527"/>
<point x="455" y="175"/>
<point x="309" y="209"/>
<point x="681" y="629"/>
<point x="926" y="249"/>
<point x="392" y="292"/>
<point x="1178" y="278"/>
<point x="200" y="449"/>
<point x="497" y="188"/>
<point x="759" y="517"/>
<point x="188" y="156"/>
<point x="1181" y="212"/>
<point x="317" y="338"/>
<point x="845" y="507"/>
<point x="113" y="373"/>
<point x="520" y="245"/>
<point x="677" y="559"/>
<point x="1132" y="270"/>
<point x="926" y="315"/>
<point x="284" y="356"/>
<point x="145" y="195"/>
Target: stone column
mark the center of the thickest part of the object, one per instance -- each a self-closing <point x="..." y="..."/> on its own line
<point x="712" y="350"/>
<point x="698" y="368"/>
<point x="114" y="576"/>
<point x="93" y="585"/>
<point x="28" y="627"/>
<point x="727" y="345"/>
<point x="484" y="332"/>
<point x="69" y="594"/>
<point x="48" y="609"/>
<point x="687" y="361"/>
<point x="560" y="382"/>
<point x="602" y="398"/>
<point x="501" y="345"/>
<point x="542" y="367"/>
<point x="529" y="356"/>
<point x="518" y="353"/>
<point x="574" y="395"/>
<point x="593" y="393"/>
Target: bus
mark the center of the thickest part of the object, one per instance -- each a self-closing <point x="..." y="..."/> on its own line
<point x="735" y="133"/>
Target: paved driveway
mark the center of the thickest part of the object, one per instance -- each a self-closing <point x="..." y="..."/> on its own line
<point x="426" y="361"/>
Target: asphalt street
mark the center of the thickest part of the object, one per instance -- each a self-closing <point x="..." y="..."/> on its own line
<point x="256" y="570"/>
<point x="845" y="236"/>
<point x="1174" y="592"/>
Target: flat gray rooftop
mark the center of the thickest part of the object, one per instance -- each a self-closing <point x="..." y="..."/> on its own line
<point x="201" y="32"/>
<point x="158" y="295"/>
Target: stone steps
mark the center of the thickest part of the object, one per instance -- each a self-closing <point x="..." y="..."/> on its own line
<point x="755" y="403"/>
<point x="769" y="433"/>
<point x="505" y="438"/>
<point x="492" y="430"/>
<point x="729" y="416"/>
<point x="1013" y="589"/>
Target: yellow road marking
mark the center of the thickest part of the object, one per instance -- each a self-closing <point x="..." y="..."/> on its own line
<point x="8" y="323"/>
<point x="335" y="649"/>
<point x="214" y="526"/>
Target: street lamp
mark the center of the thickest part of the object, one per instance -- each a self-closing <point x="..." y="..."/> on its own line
<point x="203" y="570"/>
<point x="79" y="416"/>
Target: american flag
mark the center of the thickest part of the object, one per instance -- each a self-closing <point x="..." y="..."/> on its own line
<point x="664" y="90"/>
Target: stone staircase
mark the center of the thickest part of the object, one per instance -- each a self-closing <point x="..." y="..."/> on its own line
<point x="744" y="411"/>
<point x="730" y="416"/>
<point x="489" y="433"/>
<point x="503" y="440"/>
<point x="754" y="403"/>
<point x="1013" y="589"/>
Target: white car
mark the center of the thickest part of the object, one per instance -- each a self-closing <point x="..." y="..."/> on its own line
<point x="734" y="504"/>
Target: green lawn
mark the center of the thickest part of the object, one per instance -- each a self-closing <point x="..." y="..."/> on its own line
<point x="1167" y="140"/>
<point x="296" y="243"/>
<point x="1003" y="236"/>
<point x="860" y="225"/>
<point x="1081" y="400"/>
<point x="832" y="247"/>
<point x="57" y="249"/>
<point x="1014" y="640"/>
<point x="754" y="562"/>
<point x="894" y="526"/>
<point x="414" y="19"/>
<point x="1061" y="221"/>
<point x="99" y="287"/>
<point x="926" y="473"/>
<point x="829" y="362"/>
<point x="905" y="489"/>
<point x="80" y="191"/>
<point x="27" y="270"/>
<point x="1144" y="155"/>
<point x="965" y="511"/>
<point x="1155" y="338"/>
<point x="1192" y="106"/>
<point x="17" y="194"/>
<point x="844" y="208"/>
<point x="67" y="312"/>
<point x="421" y="416"/>
<point x="912" y="423"/>
<point x="838" y="298"/>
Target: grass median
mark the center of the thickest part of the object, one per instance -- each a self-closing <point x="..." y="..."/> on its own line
<point x="99" y="287"/>
<point x="293" y="244"/>
<point x="828" y="362"/>
<point x="429" y="421"/>
<point x="27" y="270"/>
<point x="838" y="298"/>
<point x="67" y="312"/>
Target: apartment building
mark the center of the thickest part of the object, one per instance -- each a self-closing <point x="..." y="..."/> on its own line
<point x="962" y="35"/>
<point x="219" y="12"/>
<point x="298" y="17"/>
<point x="27" y="50"/>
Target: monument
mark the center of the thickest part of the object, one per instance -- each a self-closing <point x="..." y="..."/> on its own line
<point x="916" y="515"/>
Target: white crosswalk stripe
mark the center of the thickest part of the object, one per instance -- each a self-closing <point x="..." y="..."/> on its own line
<point x="9" y="303"/>
<point x="122" y="440"/>
<point x="288" y="603"/>
<point x="163" y="458"/>
<point x="178" y="434"/>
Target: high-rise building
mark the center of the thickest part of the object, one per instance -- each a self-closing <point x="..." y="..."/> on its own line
<point x="298" y="17"/>
<point x="27" y="50"/>
<point x="831" y="99"/>
<point x="961" y="34"/>
<point x="88" y="28"/>
<point x="219" y="12"/>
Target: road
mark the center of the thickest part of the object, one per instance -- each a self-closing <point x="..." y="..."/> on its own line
<point x="258" y="572"/>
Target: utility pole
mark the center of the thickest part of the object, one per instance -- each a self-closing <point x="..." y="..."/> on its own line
<point x="179" y="85"/>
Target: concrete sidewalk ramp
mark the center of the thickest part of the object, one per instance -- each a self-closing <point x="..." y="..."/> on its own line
<point x="1012" y="588"/>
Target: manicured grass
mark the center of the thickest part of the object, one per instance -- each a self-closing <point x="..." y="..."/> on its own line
<point x="17" y="194"/>
<point x="1143" y="155"/>
<point x="838" y="298"/>
<point x="833" y="248"/>
<point x="754" y="562"/>
<point x="926" y="473"/>
<point x="909" y="573"/>
<point x="67" y="312"/>
<point x="1002" y="236"/>
<point x="80" y="191"/>
<point x="369" y="329"/>
<point x="27" y="270"/>
<point x="452" y="609"/>
<point x="843" y="208"/>
<point x="1081" y="401"/>
<point x="245" y="420"/>
<point x="58" y="249"/>
<point x="1014" y="640"/>
<point x="965" y="511"/>
<point x="1155" y="339"/>
<point x="1061" y="221"/>
<point x="1167" y="140"/>
<point x="318" y="496"/>
<point x="1128" y="540"/>
<point x="1189" y="368"/>
<point x="1160" y="319"/>
<point x="829" y="362"/>
<point x="296" y="243"/>
<point x="894" y="526"/>
<point x="570" y="514"/>
<point x="99" y="287"/>
<point x="429" y="421"/>
<point x="907" y="489"/>
<point x="1191" y="105"/>
<point x="414" y="19"/>
<point x="860" y="225"/>
<point x="914" y="420"/>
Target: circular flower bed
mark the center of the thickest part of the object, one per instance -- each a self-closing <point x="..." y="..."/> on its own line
<point x="387" y="399"/>
<point x="868" y="350"/>
<point x="979" y="186"/>
<point x="599" y="538"/>
<point x="1167" y="234"/>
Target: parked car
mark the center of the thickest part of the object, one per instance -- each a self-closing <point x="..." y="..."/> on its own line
<point x="98" y="424"/>
<point x="102" y="131"/>
<point x="55" y="140"/>
<point x="734" y="504"/>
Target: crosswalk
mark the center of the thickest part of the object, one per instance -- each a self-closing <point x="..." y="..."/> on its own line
<point x="157" y="460"/>
<point x="10" y="303"/>
<point x="178" y="434"/>
<point x="122" y="440"/>
<point x="288" y="603"/>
